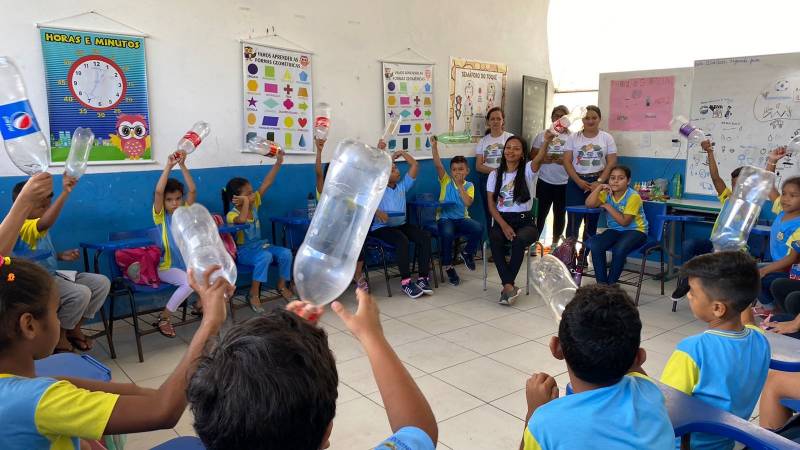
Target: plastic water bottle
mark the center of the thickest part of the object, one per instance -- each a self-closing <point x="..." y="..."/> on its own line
<point x="311" y="204"/>
<point x="325" y="262"/>
<point x="553" y="281"/>
<point x="454" y="138"/>
<point x="677" y="186"/>
<point x="263" y="146"/>
<point x="561" y="126"/>
<point x="685" y="128"/>
<point x="23" y="139"/>
<point x="78" y="157"/>
<point x="192" y="139"/>
<point x="793" y="147"/>
<point x="392" y="127"/>
<point x="741" y="211"/>
<point x="322" y="123"/>
<point x="197" y="238"/>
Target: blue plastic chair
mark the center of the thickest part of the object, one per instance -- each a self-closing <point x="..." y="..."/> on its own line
<point x="378" y="254"/>
<point x="182" y="443"/>
<point x="72" y="365"/>
<point x="791" y="403"/>
<point x="426" y="219"/>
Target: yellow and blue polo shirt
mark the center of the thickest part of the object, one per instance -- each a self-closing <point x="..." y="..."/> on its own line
<point x="30" y="239"/>
<point x="253" y="232"/>
<point x="448" y="192"/>
<point x="171" y="256"/>
<point x="630" y="204"/>
<point x="782" y="233"/>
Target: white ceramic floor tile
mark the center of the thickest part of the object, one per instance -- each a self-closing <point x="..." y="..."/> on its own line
<point x="481" y="309"/>
<point x="146" y="441"/>
<point x="399" y="333"/>
<point x="344" y="346"/>
<point x="529" y="326"/>
<point x="691" y="328"/>
<point x="434" y="353"/>
<point x="484" y="378"/>
<point x="157" y="361"/>
<point x="514" y="403"/>
<point x="482" y="428"/>
<point x="185" y="426"/>
<point x="483" y="338"/>
<point x="446" y="401"/>
<point x="400" y="305"/>
<point x="359" y="424"/>
<point x="437" y="321"/>
<point x="530" y="358"/>
<point x="357" y="374"/>
<point x="664" y="343"/>
<point x="654" y="364"/>
<point x="346" y="393"/>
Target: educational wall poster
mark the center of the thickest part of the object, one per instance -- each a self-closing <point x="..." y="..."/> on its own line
<point x="408" y="93"/>
<point x="475" y="88"/>
<point x="97" y="81"/>
<point x="277" y="96"/>
<point x="641" y="104"/>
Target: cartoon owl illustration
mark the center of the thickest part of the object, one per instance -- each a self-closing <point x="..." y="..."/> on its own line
<point x="132" y="136"/>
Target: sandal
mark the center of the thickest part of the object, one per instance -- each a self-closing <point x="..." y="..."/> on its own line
<point x="165" y="327"/>
<point x="256" y="309"/>
<point x="81" y="343"/>
<point x="286" y="293"/>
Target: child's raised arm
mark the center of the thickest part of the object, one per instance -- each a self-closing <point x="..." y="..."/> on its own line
<point x="319" y="143"/>
<point x="158" y="195"/>
<point x="36" y="189"/>
<point x="191" y="188"/>
<point x="538" y="159"/>
<point x="270" y="178"/>
<point x="50" y="216"/>
<point x="713" y="169"/>
<point x="413" y="165"/>
<point x="440" y="172"/>
<point x="772" y="163"/>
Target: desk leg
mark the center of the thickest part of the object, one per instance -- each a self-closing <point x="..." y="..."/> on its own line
<point x="85" y="259"/>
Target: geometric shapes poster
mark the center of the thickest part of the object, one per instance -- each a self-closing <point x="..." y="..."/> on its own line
<point x="408" y="94"/>
<point x="277" y="96"/>
<point x="475" y="88"/>
<point x="97" y="81"/>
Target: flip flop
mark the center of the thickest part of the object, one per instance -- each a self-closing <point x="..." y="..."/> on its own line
<point x="81" y="344"/>
<point x="165" y="328"/>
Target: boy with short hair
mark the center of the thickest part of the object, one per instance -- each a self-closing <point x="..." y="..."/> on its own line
<point x="614" y="404"/>
<point x="290" y="402"/>
<point x="726" y="365"/>
<point x="454" y="220"/>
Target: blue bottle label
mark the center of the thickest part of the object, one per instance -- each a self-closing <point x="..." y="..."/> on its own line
<point x="17" y="120"/>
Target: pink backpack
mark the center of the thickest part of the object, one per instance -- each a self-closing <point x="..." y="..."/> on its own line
<point x="227" y="239"/>
<point x="139" y="265"/>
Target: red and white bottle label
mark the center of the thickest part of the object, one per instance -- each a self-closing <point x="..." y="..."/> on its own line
<point x="193" y="137"/>
<point x="273" y="150"/>
<point x="322" y="122"/>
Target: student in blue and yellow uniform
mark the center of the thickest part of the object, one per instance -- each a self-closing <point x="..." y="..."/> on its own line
<point x="614" y="404"/>
<point x="455" y="220"/>
<point x="726" y="365"/>
<point x="627" y="225"/>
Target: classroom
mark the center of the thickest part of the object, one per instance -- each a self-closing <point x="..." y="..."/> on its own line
<point x="529" y="224"/>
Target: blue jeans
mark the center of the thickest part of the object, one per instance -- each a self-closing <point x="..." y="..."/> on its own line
<point x="577" y="197"/>
<point x="449" y="229"/>
<point x="260" y="258"/>
<point x="621" y="244"/>
<point x="695" y="247"/>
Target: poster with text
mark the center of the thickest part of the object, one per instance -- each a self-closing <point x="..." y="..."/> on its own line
<point x="97" y="81"/>
<point x="475" y="88"/>
<point x="641" y="104"/>
<point x="278" y="96"/>
<point x="408" y="93"/>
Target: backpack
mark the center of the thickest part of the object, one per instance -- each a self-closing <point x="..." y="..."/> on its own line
<point x="227" y="239"/>
<point x="568" y="254"/>
<point x="139" y="265"/>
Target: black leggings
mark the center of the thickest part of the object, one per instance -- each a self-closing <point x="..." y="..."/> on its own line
<point x="555" y="195"/>
<point x="522" y="223"/>
<point x="786" y="293"/>
<point x="399" y="238"/>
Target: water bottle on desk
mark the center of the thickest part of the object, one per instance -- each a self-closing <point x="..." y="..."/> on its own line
<point x="23" y="139"/>
<point x="192" y="139"/>
<point x="78" y="158"/>
<point x="197" y="238"/>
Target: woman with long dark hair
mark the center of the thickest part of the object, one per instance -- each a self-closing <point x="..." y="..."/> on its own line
<point x="488" y="153"/>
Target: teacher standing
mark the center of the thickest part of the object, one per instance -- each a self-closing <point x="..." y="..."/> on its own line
<point x="551" y="188"/>
<point x="488" y="154"/>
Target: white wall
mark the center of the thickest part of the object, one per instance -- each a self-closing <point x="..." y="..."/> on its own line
<point x="194" y="62"/>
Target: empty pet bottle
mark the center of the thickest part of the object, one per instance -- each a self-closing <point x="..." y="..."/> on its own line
<point x="192" y="139"/>
<point x="263" y="146"/>
<point x="741" y="211"/>
<point x="325" y="262"/>
<point x="553" y="281"/>
<point x="392" y="127"/>
<point x="562" y="125"/>
<point x="24" y="142"/>
<point x="685" y="128"/>
<point x="322" y="122"/>
<point x="78" y="158"/>
<point x="197" y="238"/>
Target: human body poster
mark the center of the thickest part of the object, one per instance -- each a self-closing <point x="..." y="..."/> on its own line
<point x="97" y="81"/>
<point x="278" y="96"/>
<point x="408" y="93"/>
<point x="641" y="104"/>
<point x="475" y="88"/>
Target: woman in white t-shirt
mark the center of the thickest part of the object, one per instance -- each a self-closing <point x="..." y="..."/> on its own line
<point x="551" y="189"/>
<point x="589" y="156"/>
<point x="489" y="152"/>
<point x="511" y="189"/>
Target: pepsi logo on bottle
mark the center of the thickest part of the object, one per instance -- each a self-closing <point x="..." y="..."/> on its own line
<point x="17" y="120"/>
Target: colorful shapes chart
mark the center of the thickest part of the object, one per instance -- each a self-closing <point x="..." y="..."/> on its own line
<point x="408" y="93"/>
<point x="278" y="96"/>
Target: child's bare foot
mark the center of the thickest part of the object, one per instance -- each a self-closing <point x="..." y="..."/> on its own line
<point x="286" y="293"/>
<point x="79" y="340"/>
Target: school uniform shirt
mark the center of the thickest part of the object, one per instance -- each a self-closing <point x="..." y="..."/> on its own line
<point x="589" y="154"/>
<point x="552" y="173"/>
<point x="251" y="234"/>
<point x="723" y="199"/>
<point x="628" y="415"/>
<point x="726" y="369"/>
<point x="505" y="198"/>
<point x="394" y="201"/>
<point x="448" y="192"/>
<point x="171" y="256"/>
<point x="491" y="148"/>
<point x="42" y="413"/>
<point x="631" y="204"/>
<point x="407" y="438"/>
<point x="32" y="240"/>
<point x="783" y="232"/>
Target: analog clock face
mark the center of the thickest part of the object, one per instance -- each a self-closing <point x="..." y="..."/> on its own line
<point x="97" y="82"/>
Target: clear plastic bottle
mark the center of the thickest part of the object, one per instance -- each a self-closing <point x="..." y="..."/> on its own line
<point x="454" y="138"/>
<point x="561" y="126"/>
<point x="311" y="204"/>
<point x="197" y="237"/>
<point x="685" y="128"/>
<point x="192" y="139"/>
<point x="553" y="281"/>
<point x="24" y="142"/>
<point x="325" y="262"/>
<point x="392" y="127"/>
<point x="742" y="209"/>
<point x="322" y="123"/>
<point x="78" y="157"/>
<point x="263" y="146"/>
<point x="793" y="147"/>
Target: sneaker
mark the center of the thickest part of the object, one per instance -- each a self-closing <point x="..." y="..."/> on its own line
<point x="469" y="260"/>
<point x="452" y="276"/>
<point x="513" y="296"/>
<point x="503" y="299"/>
<point x="681" y="289"/>
<point x="411" y="289"/>
<point x="424" y="285"/>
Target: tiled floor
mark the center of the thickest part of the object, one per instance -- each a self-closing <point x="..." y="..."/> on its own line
<point x="469" y="355"/>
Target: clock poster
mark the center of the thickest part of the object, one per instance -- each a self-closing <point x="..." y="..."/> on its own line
<point x="97" y="81"/>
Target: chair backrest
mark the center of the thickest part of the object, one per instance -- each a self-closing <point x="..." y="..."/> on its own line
<point x="427" y="214"/>
<point x="655" y="212"/>
<point x="151" y="233"/>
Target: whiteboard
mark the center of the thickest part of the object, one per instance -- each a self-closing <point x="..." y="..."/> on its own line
<point x="748" y="105"/>
<point x="648" y="144"/>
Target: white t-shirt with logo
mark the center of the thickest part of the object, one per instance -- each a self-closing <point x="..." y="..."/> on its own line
<point x="505" y="199"/>
<point x="491" y="148"/>
<point x="589" y="154"/>
<point x="552" y="173"/>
